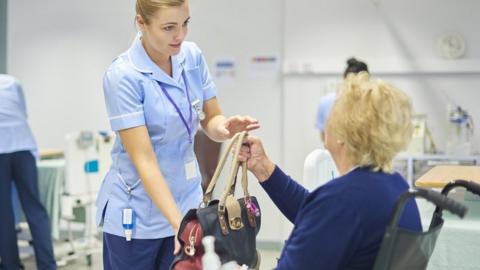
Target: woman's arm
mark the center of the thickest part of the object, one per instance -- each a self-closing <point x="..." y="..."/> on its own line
<point x="326" y="235"/>
<point x="213" y="118"/>
<point x="287" y="194"/>
<point x="219" y="128"/>
<point x="139" y="148"/>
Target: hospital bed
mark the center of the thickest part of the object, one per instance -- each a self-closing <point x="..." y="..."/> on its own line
<point x="318" y="169"/>
<point x="87" y="159"/>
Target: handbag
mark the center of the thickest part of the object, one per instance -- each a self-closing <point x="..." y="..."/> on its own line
<point x="234" y="223"/>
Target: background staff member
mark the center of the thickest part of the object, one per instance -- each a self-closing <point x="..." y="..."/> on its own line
<point x="156" y="94"/>
<point x="18" y="163"/>
<point x="354" y="66"/>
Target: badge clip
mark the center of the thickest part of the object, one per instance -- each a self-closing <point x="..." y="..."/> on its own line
<point x="197" y="106"/>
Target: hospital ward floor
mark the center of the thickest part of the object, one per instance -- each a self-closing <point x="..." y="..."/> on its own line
<point x="269" y="251"/>
<point x="268" y="261"/>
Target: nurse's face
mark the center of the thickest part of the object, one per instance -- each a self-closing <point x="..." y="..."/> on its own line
<point x="166" y="30"/>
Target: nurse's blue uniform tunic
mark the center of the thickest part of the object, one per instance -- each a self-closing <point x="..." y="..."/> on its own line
<point x="134" y="97"/>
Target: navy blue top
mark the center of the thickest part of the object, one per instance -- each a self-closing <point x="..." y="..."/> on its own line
<point x="340" y="225"/>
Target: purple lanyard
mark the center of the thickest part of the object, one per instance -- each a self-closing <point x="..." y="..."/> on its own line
<point x="187" y="126"/>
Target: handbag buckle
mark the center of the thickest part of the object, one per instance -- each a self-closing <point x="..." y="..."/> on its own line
<point x="189" y="250"/>
<point x="236" y="223"/>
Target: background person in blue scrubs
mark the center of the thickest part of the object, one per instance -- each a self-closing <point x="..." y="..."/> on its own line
<point x="341" y="224"/>
<point x="18" y="163"/>
<point x="157" y="94"/>
<point x="354" y="66"/>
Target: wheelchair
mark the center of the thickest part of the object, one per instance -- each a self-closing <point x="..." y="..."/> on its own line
<point x="404" y="249"/>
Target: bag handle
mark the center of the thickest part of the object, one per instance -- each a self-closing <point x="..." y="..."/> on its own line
<point x="230" y="187"/>
<point x="237" y="138"/>
<point x="243" y="165"/>
<point x="252" y="212"/>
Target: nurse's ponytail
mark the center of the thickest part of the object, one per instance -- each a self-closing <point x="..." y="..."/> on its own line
<point x="147" y="8"/>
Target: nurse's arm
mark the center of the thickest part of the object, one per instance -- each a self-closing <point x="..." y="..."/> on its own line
<point x="219" y="128"/>
<point x="213" y="118"/>
<point x="139" y="148"/>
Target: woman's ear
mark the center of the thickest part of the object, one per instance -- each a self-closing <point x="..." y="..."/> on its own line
<point x="140" y="22"/>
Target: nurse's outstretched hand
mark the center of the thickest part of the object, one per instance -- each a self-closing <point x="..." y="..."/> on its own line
<point x="258" y="162"/>
<point x="235" y="124"/>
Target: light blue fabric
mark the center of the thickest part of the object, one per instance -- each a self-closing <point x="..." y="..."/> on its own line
<point x="134" y="98"/>
<point x="15" y="134"/>
<point x="324" y="108"/>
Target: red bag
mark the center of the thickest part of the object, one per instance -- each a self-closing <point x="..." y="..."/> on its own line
<point x="191" y="239"/>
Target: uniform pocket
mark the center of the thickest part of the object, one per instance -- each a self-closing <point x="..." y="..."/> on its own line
<point x="101" y="203"/>
<point x="103" y="197"/>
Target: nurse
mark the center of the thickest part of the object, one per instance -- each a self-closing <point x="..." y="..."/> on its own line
<point x="156" y="93"/>
<point x="354" y="66"/>
<point x="18" y="163"/>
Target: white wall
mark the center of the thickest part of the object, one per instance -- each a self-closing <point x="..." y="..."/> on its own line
<point x="59" y="50"/>
<point x="241" y="30"/>
<point x="397" y="40"/>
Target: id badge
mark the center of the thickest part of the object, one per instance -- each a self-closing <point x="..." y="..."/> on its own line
<point x="191" y="170"/>
<point x="197" y="106"/>
<point x="128" y="222"/>
<point x="128" y="218"/>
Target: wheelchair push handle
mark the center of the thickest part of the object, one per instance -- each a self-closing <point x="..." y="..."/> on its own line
<point x="446" y="203"/>
<point x="473" y="187"/>
<point x="440" y="200"/>
<point x="469" y="185"/>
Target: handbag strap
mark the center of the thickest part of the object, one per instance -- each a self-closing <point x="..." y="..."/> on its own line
<point x="234" y="224"/>
<point x="230" y="185"/>
<point x="234" y="217"/>
<point x="243" y="165"/>
<point x="236" y="138"/>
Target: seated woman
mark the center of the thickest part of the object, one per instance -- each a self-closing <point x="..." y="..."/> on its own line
<point x="341" y="224"/>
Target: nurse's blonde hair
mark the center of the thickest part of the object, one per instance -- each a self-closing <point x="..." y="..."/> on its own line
<point x="373" y="119"/>
<point x="147" y="8"/>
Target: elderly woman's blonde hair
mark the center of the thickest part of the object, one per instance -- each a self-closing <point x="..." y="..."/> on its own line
<point x="373" y="119"/>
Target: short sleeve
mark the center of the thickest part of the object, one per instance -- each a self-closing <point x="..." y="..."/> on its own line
<point x="209" y="88"/>
<point x="124" y="99"/>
